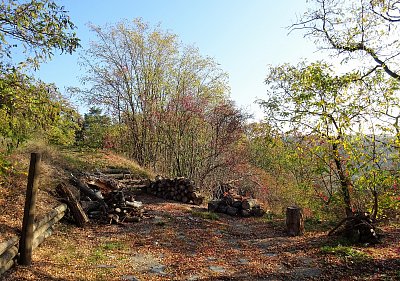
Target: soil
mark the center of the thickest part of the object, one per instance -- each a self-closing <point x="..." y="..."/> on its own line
<point x="177" y="241"/>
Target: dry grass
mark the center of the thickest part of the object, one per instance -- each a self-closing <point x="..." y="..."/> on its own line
<point x="56" y="166"/>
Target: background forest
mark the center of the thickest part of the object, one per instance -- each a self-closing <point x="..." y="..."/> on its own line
<point x="329" y="142"/>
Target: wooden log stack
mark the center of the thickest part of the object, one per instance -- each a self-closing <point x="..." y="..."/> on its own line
<point x="101" y="199"/>
<point x="123" y="207"/>
<point x="178" y="189"/>
<point x="235" y="205"/>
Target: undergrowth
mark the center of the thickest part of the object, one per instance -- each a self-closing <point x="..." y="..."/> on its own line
<point x="205" y="215"/>
<point x="345" y="252"/>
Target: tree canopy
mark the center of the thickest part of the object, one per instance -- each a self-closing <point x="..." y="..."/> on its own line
<point x="366" y="30"/>
<point x="35" y="27"/>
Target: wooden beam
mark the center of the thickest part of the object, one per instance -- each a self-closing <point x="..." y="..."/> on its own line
<point x="25" y="245"/>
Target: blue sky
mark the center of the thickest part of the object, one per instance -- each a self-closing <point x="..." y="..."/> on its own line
<point x="244" y="36"/>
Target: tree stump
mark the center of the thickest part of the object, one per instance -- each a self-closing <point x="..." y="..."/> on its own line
<point x="294" y="221"/>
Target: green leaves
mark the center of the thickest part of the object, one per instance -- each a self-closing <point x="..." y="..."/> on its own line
<point x="40" y="26"/>
<point x="26" y="107"/>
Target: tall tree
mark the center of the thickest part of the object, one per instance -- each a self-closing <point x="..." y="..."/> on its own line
<point x="307" y="100"/>
<point x="172" y="101"/>
<point x="364" y="30"/>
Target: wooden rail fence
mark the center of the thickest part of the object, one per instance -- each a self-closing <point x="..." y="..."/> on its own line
<point x="41" y="230"/>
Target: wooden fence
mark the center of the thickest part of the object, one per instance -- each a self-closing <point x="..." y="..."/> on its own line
<point x="41" y="230"/>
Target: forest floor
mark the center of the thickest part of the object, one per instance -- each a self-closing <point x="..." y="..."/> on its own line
<point x="178" y="241"/>
<point x="182" y="242"/>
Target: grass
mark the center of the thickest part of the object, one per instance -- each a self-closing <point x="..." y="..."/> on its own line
<point x="345" y="252"/>
<point x="97" y="256"/>
<point x="68" y="254"/>
<point x="114" y="245"/>
<point x="83" y="159"/>
<point x="205" y="215"/>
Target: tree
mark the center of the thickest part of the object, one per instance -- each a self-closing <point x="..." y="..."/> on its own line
<point x="360" y="30"/>
<point x="307" y="101"/>
<point x="39" y="26"/>
<point x="94" y="128"/>
<point x="170" y="102"/>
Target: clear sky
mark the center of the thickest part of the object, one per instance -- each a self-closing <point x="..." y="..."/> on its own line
<point x="244" y="36"/>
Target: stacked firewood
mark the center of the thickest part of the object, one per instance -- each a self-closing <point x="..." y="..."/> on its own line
<point x="235" y="205"/>
<point x="177" y="189"/>
<point x="123" y="207"/>
<point x="99" y="198"/>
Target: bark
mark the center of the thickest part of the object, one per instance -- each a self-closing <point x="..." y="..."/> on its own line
<point x="6" y="266"/>
<point x="345" y="181"/>
<point x="376" y="205"/>
<point x="39" y="240"/>
<point x="248" y="203"/>
<point x="25" y="245"/>
<point x="46" y="225"/>
<point x="213" y="205"/>
<point x="294" y="221"/>
<point x="85" y="189"/>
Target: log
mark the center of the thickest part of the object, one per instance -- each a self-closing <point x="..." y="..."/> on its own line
<point x="8" y="244"/>
<point x="245" y="213"/>
<point x="39" y="231"/>
<point x="111" y="171"/>
<point x="89" y="206"/>
<point x="6" y="266"/>
<point x="134" y="204"/>
<point x="257" y="211"/>
<point x="213" y="205"/>
<point x="232" y="211"/>
<point x="76" y="209"/>
<point x="8" y="255"/>
<point x="294" y="221"/>
<point x="84" y="188"/>
<point x="248" y="203"/>
<point x="38" y="240"/>
<point x="237" y="204"/>
<point x="198" y="201"/>
<point x="60" y="209"/>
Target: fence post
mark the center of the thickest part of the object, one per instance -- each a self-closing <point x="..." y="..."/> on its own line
<point x="25" y="245"/>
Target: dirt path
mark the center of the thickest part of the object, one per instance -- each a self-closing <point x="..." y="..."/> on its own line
<point x="175" y="243"/>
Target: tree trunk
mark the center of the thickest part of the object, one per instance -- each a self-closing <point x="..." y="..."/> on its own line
<point x="294" y="221"/>
<point x="376" y="205"/>
<point x="345" y="181"/>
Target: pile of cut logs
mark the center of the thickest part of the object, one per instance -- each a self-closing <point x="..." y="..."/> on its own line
<point x="357" y="228"/>
<point x="235" y="205"/>
<point x="100" y="198"/>
<point x="178" y="189"/>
